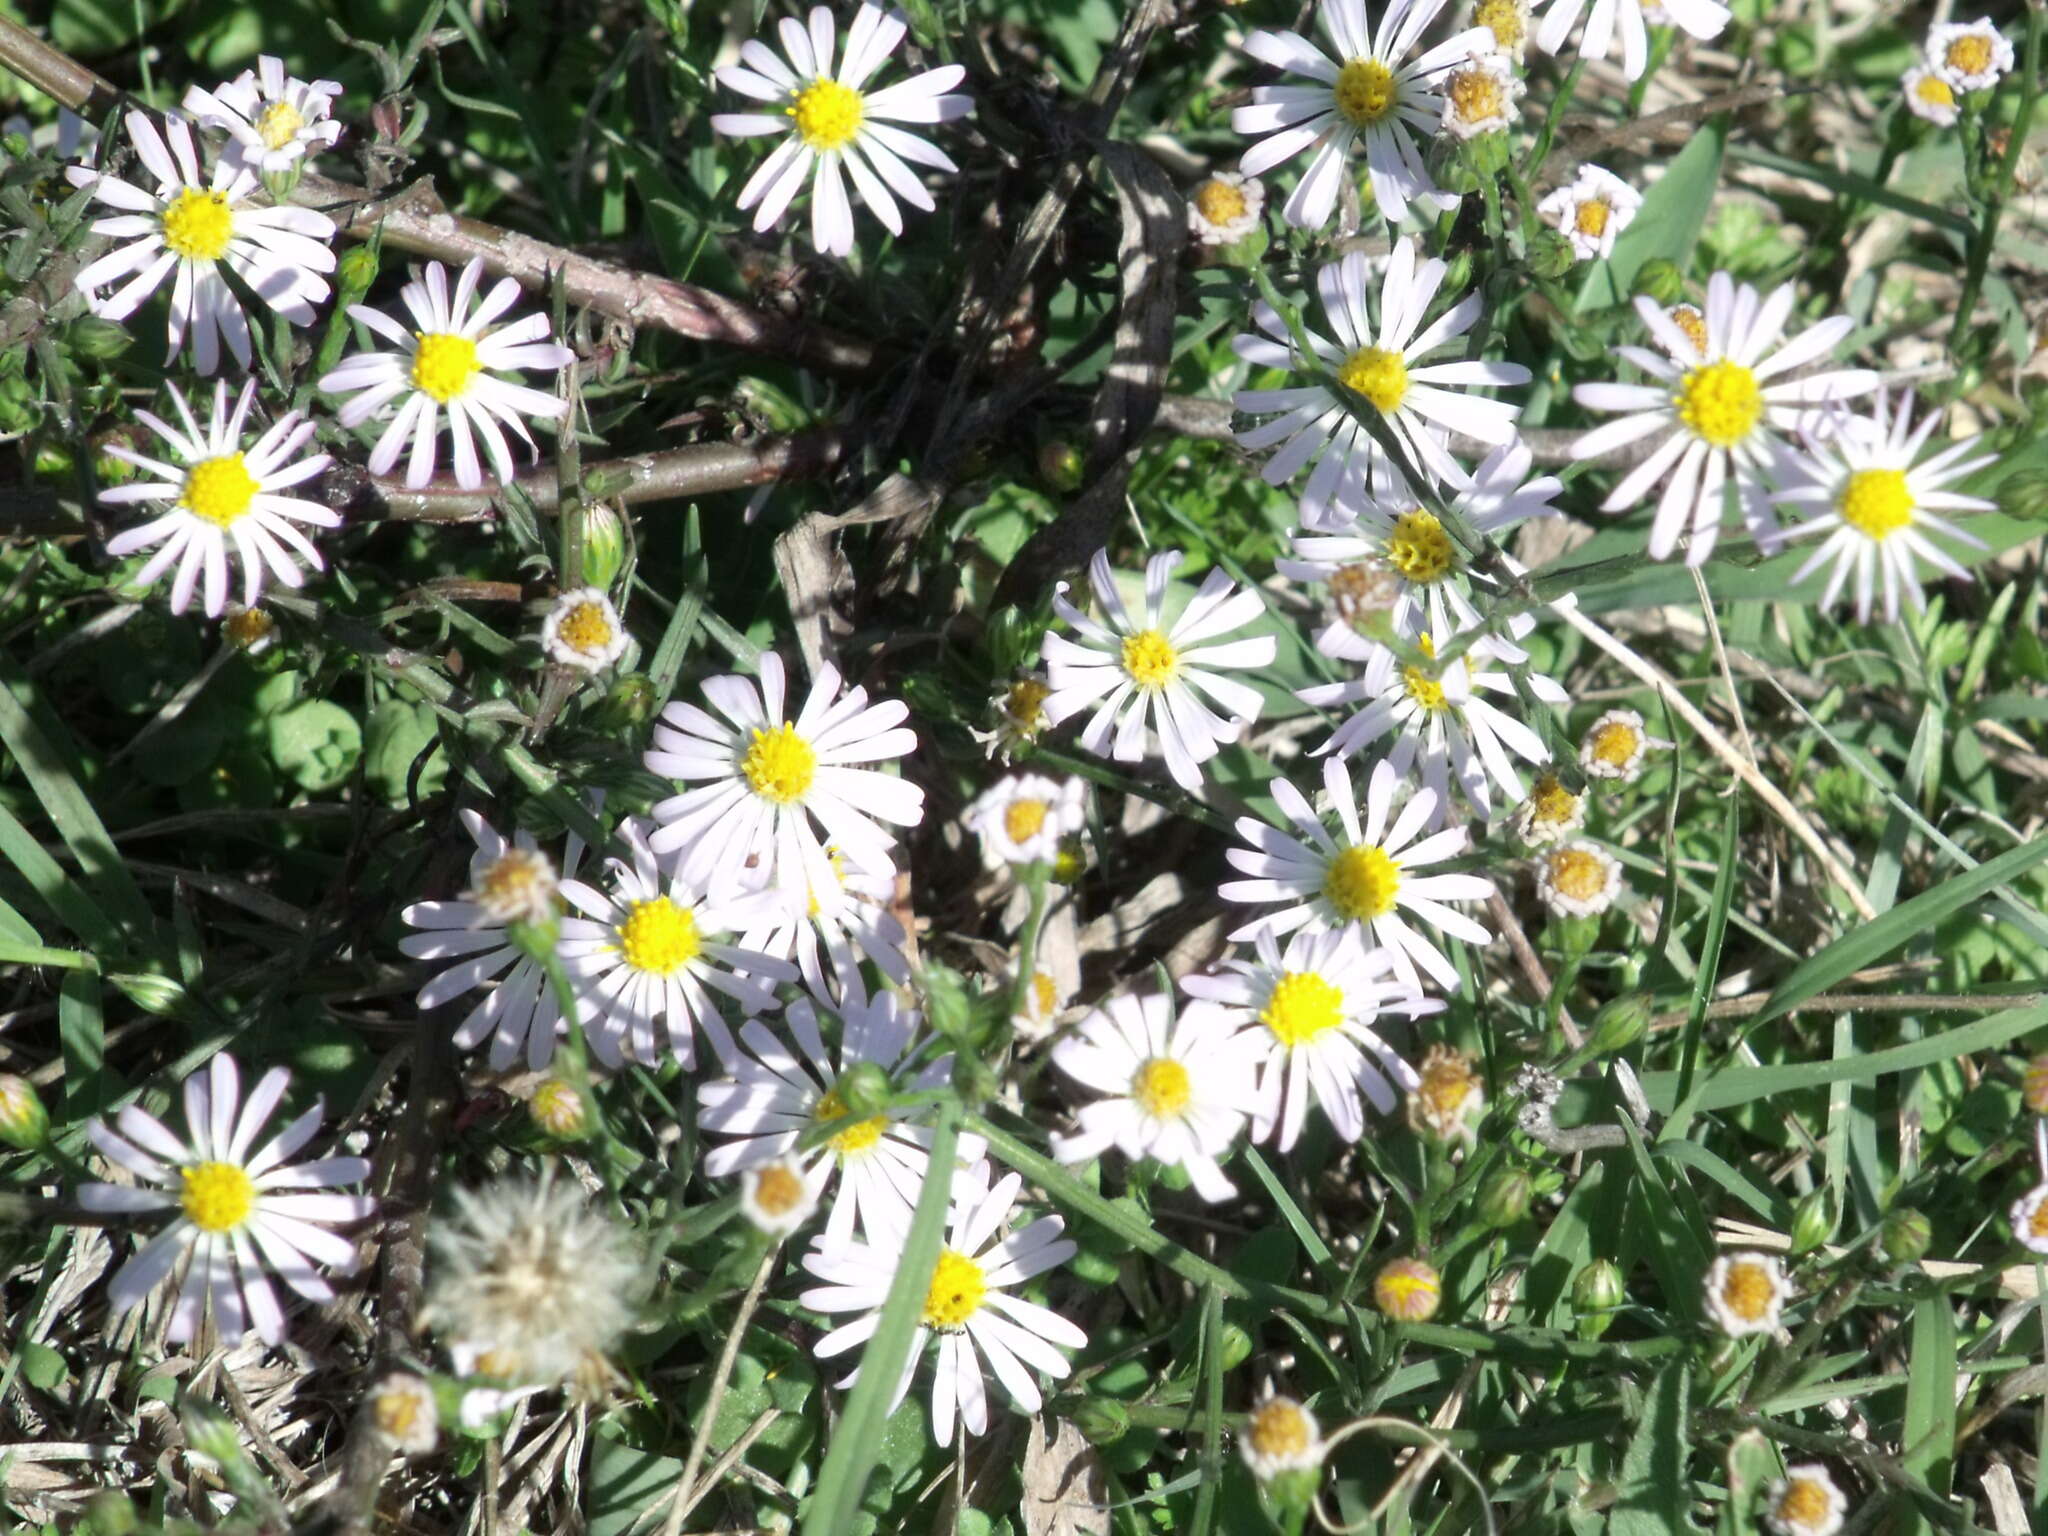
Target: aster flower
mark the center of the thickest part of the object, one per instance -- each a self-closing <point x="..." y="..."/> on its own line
<point x="1553" y="810"/>
<point x="770" y="782"/>
<point x="1479" y="96"/>
<point x="1369" y="91"/>
<point x="1507" y="23"/>
<point x="404" y="1413"/>
<point x="1805" y="1502"/>
<point x="1716" y="412"/>
<point x="186" y="230"/>
<point x="1881" y="499"/>
<point x="1929" y="97"/>
<point x="1225" y="207"/>
<point x="1616" y="745"/>
<point x="582" y="631"/>
<point x="779" y="1196"/>
<point x="1591" y="211"/>
<point x="841" y="922"/>
<point x="1704" y="19"/>
<point x="1969" y="55"/>
<point x="1577" y="878"/>
<point x="1280" y="1435"/>
<point x="835" y="124"/>
<point x="774" y="1095"/>
<point x="1019" y="715"/>
<point x="447" y="361"/>
<point x="1448" y="1100"/>
<point x="1371" y="883"/>
<point x="969" y="1306"/>
<point x="2029" y="1216"/>
<point x="1158" y="671"/>
<point x="1043" y="1003"/>
<point x="1382" y="366"/>
<point x="1177" y="1086"/>
<point x="1021" y="820"/>
<point x="241" y="1209"/>
<point x="272" y="119"/>
<point x="1747" y="1292"/>
<point x="1408" y="1290"/>
<point x="227" y="502"/>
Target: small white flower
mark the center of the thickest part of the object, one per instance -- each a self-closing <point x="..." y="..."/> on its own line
<point x="1552" y="811"/>
<point x="272" y="119"/>
<point x="834" y="123"/>
<point x="644" y="954"/>
<point x="583" y="631"/>
<point x="191" y="226"/>
<point x="2030" y="1220"/>
<point x="447" y="361"/>
<point x="403" y="1410"/>
<point x="1507" y="23"/>
<point x="1805" y="1502"/>
<point x="1480" y="95"/>
<point x="1615" y="746"/>
<point x="1021" y="820"/>
<point x="1882" y="500"/>
<point x="1019" y="715"/>
<point x="241" y="1208"/>
<point x="227" y="504"/>
<point x="1366" y="89"/>
<point x="1929" y="96"/>
<point x="968" y="1305"/>
<point x="779" y="1196"/>
<point x="1178" y="1086"/>
<point x="1719" y="415"/>
<point x="1280" y="1435"/>
<point x="841" y="921"/>
<point x="1969" y="55"/>
<point x="1704" y="19"/>
<point x="1158" y="670"/>
<point x="1043" y="1002"/>
<point x="1313" y="1009"/>
<point x="1576" y="878"/>
<point x="773" y="782"/>
<point x="1747" y="1292"/>
<point x="1382" y="364"/>
<point x="1225" y="207"/>
<point x="1371" y="883"/>
<point x="1592" y="210"/>
<point x="774" y="1095"/>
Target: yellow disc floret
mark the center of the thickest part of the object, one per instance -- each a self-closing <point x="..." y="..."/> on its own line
<point x="219" y="490"/>
<point x="1721" y="402"/>
<point x="1150" y="659"/>
<point x="1578" y="873"/>
<point x="780" y="765"/>
<point x="1423" y="689"/>
<point x="198" y="225"/>
<point x="1508" y="20"/>
<point x="1804" y="1505"/>
<point x="1748" y="1291"/>
<point x="1219" y="202"/>
<point x="1876" y="502"/>
<point x="1302" y="1007"/>
<point x="1023" y="819"/>
<point x="585" y="628"/>
<point x="1550" y="802"/>
<point x="1475" y="96"/>
<point x="659" y="937"/>
<point x="1935" y="91"/>
<point x="1692" y="322"/>
<point x="857" y="1137"/>
<point x="958" y="1286"/>
<point x="1161" y="1087"/>
<point x="778" y="1189"/>
<point x="443" y="364"/>
<point x="1278" y="1430"/>
<point x="1364" y="91"/>
<point x="1361" y="884"/>
<point x="216" y="1197"/>
<point x="1419" y="548"/>
<point x="1969" y="54"/>
<point x="828" y="115"/>
<point x="278" y="124"/>
<point x="1617" y="744"/>
<point x="1377" y="374"/>
<point x="1591" y="219"/>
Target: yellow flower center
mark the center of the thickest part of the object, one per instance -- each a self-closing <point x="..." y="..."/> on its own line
<point x="1591" y="219"/>
<point x="1302" y="1007"/>
<point x="1692" y="322"/>
<point x="1505" y="19"/>
<point x="1150" y="659"/>
<point x="1364" y="92"/>
<point x="585" y="629"/>
<point x="1550" y="801"/>
<point x="1160" y="1087"/>
<point x="1578" y="873"/>
<point x="827" y="114"/>
<point x="778" y="1189"/>
<point x="1045" y="992"/>
<point x="1447" y="1081"/>
<point x="249" y="628"/>
<point x="219" y="490"/>
<point x="1023" y="819"/>
<point x="1425" y="690"/>
<point x="1970" y="54"/>
<point x="1219" y="202"/>
<point x="518" y="881"/>
<point x="1721" y="402"/>
<point x="659" y="937"/>
<point x="1803" y="1504"/>
<point x="1419" y="548"/>
<point x="216" y="1197"/>
<point x="958" y="1285"/>
<point x="1361" y="883"/>
<point x="278" y="124"/>
<point x="557" y="1107"/>
<point x="1876" y="502"/>
<point x="1278" y="1430"/>
<point x="443" y="364"/>
<point x="1747" y="1291"/>
<point x="397" y="1412"/>
<point x="780" y="765"/>
<point x="198" y="225"/>
<point x="1025" y="704"/>
<point x="1377" y="374"/>
<point x="859" y="1136"/>
<point x="1617" y="744"/>
<point x="1475" y="96"/>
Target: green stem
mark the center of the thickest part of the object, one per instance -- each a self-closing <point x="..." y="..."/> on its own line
<point x="2001" y="187"/>
<point x="1037" y="879"/>
<point x="1540" y="150"/>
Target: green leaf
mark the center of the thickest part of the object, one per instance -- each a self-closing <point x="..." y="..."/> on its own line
<point x="1665" y="228"/>
<point x="316" y="744"/>
<point x="82" y="1032"/>
<point x="1930" y="1434"/>
<point x="1654" y="1488"/>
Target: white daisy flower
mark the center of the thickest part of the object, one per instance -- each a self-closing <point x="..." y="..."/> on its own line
<point x="1179" y="1086"/>
<point x="1158" y="670"/>
<point x="779" y="1196"/>
<point x="1043" y="1003"/>
<point x="1480" y="95"/>
<point x="404" y="1413"/>
<point x="1280" y="1435"/>
<point x="1805" y="1502"/>
<point x="773" y="1096"/>
<point x="1448" y="1100"/>
<point x="1704" y="19"/>
<point x="1747" y="1292"/>
<point x="1019" y="715"/>
<point x="1577" y="878"/>
<point x="840" y="922"/>
<point x="1225" y="207"/>
<point x="1591" y="211"/>
<point x="1507" y="21"/>
<point x="582" y="631"/>
<point x="508" y="882"/>
<point x="774" y="782"/>
<point x="2029" y="1217"/>
<point x="447" y="360"/>
<point x="643" y="954"/>
<point x="969" y="1307"/>
<point x="1371" y="883"/>
<point x="1929" y="96"/>
<point x="1313" y="1009"/>
<point x="186" y="230"/>
<point x="1370" y="90"/>
<point x="1418" y="401"/>
<point x="272" y="119"/>
<point x="241" y="1208"/>
<point x="1553" y="810"/>
<point x="1719" y="414"/>
<point x="1021" y="820"/>
<point x="1880" y="501"/>
<point x="1615" y="746"/>
<point x="834" y="123"/>
<point x="1969" y="55"/>
<point x="227" y="502"/>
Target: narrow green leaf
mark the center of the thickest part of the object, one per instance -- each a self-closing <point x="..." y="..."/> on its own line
<point x="1928" y="1445"/>
<point x="1655" y="1491"/>
<point x="1212" y="1412"/>
<point x="82" y="1032"/>
<point x="1709" y="966"/>
<point x="12" y="953"/>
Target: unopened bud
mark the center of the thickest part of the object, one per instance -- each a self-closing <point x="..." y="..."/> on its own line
<point x="1659" y="280"/>
<point x="1408" y="1290"/>
<point x="24" y="1123"/>
<point x="973" y="1079"/>
<point x="1551" y="254"/>
<point x="2024" y="495"/>
<point x="948" y="1005"/>
<point x="1010" y="636"/>
<point x="1103" y="1420"/>
<point x="1061" y="466"/>
<point x="1906" y="1235"/>
<point x="1597" y="1291"/>
<point x="1070" y="863"/>
<point x="864" y="1089"/>
<point x="354" y="273"/>
<point x="109" y="1514"/>
<point x="557" y="1107"/>
<point x="1233" y="1346"/>
<point x="604" y="546"/>
<point x="1505" y="1198"/>
<point x="1813" y="1222"/>
<point x="90" y="336"/>
<point x="1619" y="1024"/>
<point x="627" y="704"/>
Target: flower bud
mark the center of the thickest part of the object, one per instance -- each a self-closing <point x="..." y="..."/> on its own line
<point x="1487" y="153"/>
<point x="864" y="1089"/>
<point x="1061" y="466"/>
<point x="1071" y="862"/>
<point x="210" y="1433"/>
<point x="1597" y="1291"/>
<point x="24" y="1123"/>
<point x="1813" y="1222"/>
<point x="1551" y="254"/>
<point x="1659" y="280"/>
<point x="557" y="1108"/>
<point x="1505" y="1197"/>
<point x="628" y="704"/>
<point x="604" y="546"/>
<point x="90" y="336"/>
<point x="1408" y="1290"/>
<point x="1103" y="1420"/>
<point x="1619" y="1024"/>
<point x="1233" y="1346"/>
<point x="948" y="1002"/>
<point x="2024" y="495"/>
<point x="1905" y="1236"/>
<point x="974" y="1080"/>
<point x="1458" y="276"/>
<point x="354" y="273"/>
<point x="1009" y="637"/>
